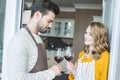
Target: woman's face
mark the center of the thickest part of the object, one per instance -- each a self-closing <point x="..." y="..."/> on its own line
<point x="89" y="40"/>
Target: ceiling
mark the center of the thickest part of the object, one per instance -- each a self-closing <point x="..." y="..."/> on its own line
<point x="70" y="3"/>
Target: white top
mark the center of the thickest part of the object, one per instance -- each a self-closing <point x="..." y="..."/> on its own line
<point x="20" y="57"/>
<point x="85" y="70"/>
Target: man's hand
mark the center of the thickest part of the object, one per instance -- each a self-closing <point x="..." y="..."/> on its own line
<point x="56" y="69"/>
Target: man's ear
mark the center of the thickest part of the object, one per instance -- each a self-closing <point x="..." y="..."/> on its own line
<point x="38" y="14"/>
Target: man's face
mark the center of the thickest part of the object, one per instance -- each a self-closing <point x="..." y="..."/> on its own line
<point x="45" y="22"/>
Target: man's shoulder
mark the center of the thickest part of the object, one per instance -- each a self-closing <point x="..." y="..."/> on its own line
<point x="19" y="36"/>
<point x="22" y="33"/>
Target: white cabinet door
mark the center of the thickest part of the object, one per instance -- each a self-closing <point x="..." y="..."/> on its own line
<point x="61" y="28"/>
<point x="68" y="28"/>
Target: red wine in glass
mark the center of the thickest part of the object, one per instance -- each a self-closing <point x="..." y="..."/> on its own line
<point x="59" y="55"/>
<point x="68" y="58"/>
<point x="58" y="59"/>
<point x="69" y="53"/>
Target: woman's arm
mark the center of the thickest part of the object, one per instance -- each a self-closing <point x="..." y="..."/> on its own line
<point x="105" y="65"/>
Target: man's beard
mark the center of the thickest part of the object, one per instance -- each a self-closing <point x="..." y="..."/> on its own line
<point x="40" y="29"/>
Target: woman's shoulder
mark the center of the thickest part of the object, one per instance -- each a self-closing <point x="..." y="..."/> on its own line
<point x="105" y="53"/>
<point x="81" y="54"/>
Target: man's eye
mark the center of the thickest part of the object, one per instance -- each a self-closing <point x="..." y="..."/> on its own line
<point x="49" y="21"/>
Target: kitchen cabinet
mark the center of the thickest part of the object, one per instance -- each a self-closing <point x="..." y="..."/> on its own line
<point x="61" y="28"/>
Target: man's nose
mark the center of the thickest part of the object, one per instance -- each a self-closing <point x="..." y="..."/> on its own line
<point x="50" y="25"/>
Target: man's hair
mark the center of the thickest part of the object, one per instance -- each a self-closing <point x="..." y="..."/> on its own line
<point x="44" y="7"/>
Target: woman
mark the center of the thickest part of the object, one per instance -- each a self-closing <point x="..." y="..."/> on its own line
<point x="93" y="61"/>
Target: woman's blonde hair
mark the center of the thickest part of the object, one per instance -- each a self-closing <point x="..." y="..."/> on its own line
<point x="101" y="40"/>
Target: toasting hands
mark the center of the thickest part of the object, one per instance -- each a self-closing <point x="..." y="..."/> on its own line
<point x="56" y="69"/>
<point x="71" y="67"/>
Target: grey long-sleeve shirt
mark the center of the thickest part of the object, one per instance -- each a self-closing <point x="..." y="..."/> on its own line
<point x="20" y="57"/>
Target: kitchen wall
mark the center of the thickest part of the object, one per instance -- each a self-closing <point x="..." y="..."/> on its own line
<point x="68" y="15"/>
<point x="82" y="18"/>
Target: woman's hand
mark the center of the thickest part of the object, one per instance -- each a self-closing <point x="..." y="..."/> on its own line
<point x="70" y="66"/>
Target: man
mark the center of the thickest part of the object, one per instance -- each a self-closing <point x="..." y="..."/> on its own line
<point x="26" y="58"/>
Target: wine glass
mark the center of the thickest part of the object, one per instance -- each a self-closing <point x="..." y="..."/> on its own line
<point x="69" y="54"/>
<point x="59" y="56"/>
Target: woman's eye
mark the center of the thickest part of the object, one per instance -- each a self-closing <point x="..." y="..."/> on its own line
<point x="90" y="34"/>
